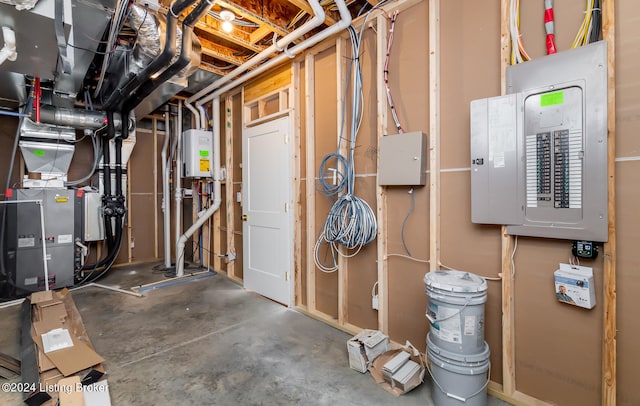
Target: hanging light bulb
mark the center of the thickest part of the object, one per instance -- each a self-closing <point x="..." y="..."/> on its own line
<point x="227" y="16"/>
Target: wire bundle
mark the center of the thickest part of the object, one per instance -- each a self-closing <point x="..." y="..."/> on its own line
<point x="518" y="53"/>
<point x="591" y="25"/>
<point x="351" y="223"/>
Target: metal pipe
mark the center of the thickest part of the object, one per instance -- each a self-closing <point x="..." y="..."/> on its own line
<point x="344" y="22"/>
<point x="316" y="21"/>
<point x="166" y="192"/>
<point x="76" y="118"/>
<point x="177" y="177"/>
<point x="216" y="193"/>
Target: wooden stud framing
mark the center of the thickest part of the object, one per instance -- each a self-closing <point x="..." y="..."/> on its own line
<point x="434" y="134"/>
<point x="343" y="262"/>
<point x="507" y="241"/>
<point x="381" y="192"/>
<point x="609" y="380"/>
<point x="230" y="198"/>
<point x="309" y="78"/>
<point x="297" y="201"/>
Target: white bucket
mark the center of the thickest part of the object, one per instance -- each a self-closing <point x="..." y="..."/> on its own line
<point x="456" y="310"/>
<point x="459" y="379"/>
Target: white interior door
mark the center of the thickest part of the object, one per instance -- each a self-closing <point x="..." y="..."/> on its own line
<point x="267" y="210"/>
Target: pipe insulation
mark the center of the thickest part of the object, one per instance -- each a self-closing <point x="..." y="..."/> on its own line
<point x="217" y="199"/>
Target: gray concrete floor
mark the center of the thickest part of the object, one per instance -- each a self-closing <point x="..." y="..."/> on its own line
<point x="210" y="342"/>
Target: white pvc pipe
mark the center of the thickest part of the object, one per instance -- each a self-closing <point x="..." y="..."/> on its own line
<point x="178" y="181"/>
<point x="182" y="241"/>
<point x="195" y="113"/>
<point x="345" y="21"/>
<point x="316" y="21"/>
<point x="166" y="193"/>
<point x="203" y="117"/>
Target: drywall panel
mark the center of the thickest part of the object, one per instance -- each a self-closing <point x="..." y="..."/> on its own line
<point x="627" y="83"/>
<point x="141" y="166"/>
<point x="628" y="281"/>
<point x="325" y="142"/>
<point x="558" y="346"/>
<point x="142" y="228"/>
<point x="473" y="248"/>
<point x="407" y="299"/>
<point x="470" y="45"/>
<point x="362" y="269"/>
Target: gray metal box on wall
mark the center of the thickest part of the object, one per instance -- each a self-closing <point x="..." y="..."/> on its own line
<point x="402" y="159"/>
<point x="560" y="167"/>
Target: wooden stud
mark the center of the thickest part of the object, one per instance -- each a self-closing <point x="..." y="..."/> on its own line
<point x="297" y="198"/>
<point x="381" y="192"/>
<point x="434" y="136"/>
<point x="129" y="219"/>
<point x="609" y="374"/>
<point x="507" y="241"/>
<point x="343" y="147"/>
<point x="230" y="198"/>
<point x="309" y="77"/>
<point x="155" y="189"/>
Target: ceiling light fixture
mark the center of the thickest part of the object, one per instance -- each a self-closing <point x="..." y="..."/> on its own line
<point x="227" y="16"/>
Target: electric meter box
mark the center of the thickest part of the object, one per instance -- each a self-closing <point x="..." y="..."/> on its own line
<point x="197" y="153"/>
<point x="539" y="154"/>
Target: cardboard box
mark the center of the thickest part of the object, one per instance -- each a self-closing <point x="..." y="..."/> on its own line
<point x="79" y="363"/>
<point x="365" y="347"/>
<point x="404" y="378"/>
<point x="575" y="286"/>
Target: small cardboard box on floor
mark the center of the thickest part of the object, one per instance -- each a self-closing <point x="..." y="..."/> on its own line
<point x="66" y="361"/>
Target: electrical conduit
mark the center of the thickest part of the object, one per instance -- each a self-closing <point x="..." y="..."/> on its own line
<point x="182" y="241"/>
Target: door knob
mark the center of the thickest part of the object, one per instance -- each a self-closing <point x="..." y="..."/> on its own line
<point x="245" y="217"/>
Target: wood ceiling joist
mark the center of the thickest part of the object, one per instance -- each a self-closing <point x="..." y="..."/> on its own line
<point x="260" y="33"/>
<point x="219" y="52"/>
<point x="238" y="37"/>
<point x="304" y="6"/>
<point x="251" y="16"/>
<point x="207" y="67"/>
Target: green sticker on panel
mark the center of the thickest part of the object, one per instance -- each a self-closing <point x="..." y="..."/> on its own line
<point x="204" y="152"/>
<point x="551" y="99"/>
<point x="38" y="152"/>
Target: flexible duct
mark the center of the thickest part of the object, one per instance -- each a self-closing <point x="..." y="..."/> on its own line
<point x="182" y="61"/>
<point x="182" y="241"/>
<point x="159" y="63"/>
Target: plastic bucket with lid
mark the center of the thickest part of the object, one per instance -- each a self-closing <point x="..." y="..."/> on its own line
<point x="458" y="379"/>
<point x="456" y="310"/>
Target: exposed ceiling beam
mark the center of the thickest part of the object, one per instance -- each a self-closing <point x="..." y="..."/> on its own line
<point x="252" y="16"/>
<point x="219" y="52"/>
<point x="260" y="33"/>
<point x="205" y="66"/>
<point x="238" y="37"/>
<point x="304" y="6"/>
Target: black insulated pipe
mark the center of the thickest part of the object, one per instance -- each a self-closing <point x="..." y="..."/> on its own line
<point x="106" y="178"/>
<point x="185" y="57"/>
<point x="161" y="61"/>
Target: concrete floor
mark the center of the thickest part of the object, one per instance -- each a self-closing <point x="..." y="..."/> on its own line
<point x="211" y="342"/>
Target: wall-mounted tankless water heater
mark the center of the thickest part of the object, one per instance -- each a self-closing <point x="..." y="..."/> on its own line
<point x="197" y="152"/>
<point x="539" y="154"/>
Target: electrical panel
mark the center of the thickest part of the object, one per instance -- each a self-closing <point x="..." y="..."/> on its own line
<point x="197" y="153"/>
<point x="539" y="154"/>
<point x="402" y="159"/>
